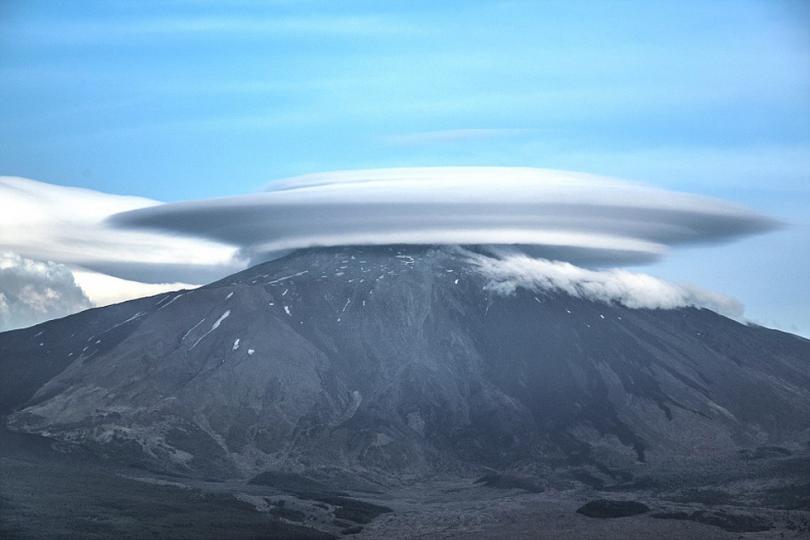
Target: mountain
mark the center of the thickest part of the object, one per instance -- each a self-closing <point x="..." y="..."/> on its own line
<point x="396" y="363"/>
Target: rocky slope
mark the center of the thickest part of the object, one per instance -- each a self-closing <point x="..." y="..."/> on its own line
<point x="395" y="363"/>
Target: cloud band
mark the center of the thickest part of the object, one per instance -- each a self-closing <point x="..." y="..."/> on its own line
<point x="575" y="217"/>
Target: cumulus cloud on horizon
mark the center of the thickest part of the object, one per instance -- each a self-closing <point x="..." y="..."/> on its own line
<point x="34" y="291"/>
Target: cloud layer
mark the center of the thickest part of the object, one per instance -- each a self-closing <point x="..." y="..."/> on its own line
<point x="508" y="271"/>
<point x="104" y="248"/>
<point x="58" y="256"/>
<point x="46" y="222"/>
<point x="574" y="217"/>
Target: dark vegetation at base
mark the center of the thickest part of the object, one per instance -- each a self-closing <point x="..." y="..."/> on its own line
<point x="605" y="508"/>
<point x="48" y="494"/>
<point x="293" y="483"/>
<point x="45" y="494"/>
<point x="91" y="505"/>
<point x="707" y="496"/>
<point x="306" y="488"/>
<point x="282" y="511"/>
<point x="789" y="497"/>
<point x="351" y="509"/>
<point x="508" y="481"/>
<point x="584" y="476"/>
<point x="639" y="484"/>
<point x="732" y="522"/>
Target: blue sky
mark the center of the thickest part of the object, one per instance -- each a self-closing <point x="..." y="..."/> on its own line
<point x="193" y="99"/>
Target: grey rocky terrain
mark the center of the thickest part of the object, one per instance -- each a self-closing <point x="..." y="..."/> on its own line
<point x="391" y="392"/>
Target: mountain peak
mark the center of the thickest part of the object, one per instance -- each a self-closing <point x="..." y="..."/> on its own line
<point x="399" y="360"/>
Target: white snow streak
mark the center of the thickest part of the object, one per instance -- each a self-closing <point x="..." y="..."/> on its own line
<point x="136" y="316"/>
<point x="213" y="327"/>
<point x="192" y="329"/>
<point x="170" y="301"/>
<point x="287" y="277"/>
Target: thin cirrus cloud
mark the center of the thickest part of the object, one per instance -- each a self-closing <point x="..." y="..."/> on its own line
<point x="574" y="217"/>
<point x="453" y="135"/>
<point x="267" y="27"/>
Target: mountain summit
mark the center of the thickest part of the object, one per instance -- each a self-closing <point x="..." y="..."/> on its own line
<point x="399" y="362"/>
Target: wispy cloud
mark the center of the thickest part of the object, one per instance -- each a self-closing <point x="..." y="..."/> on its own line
<point x="510" y="271"/>
<point x="211" y="26"/>
<point x="103" y="289"/>
<point x="453" y="135"/>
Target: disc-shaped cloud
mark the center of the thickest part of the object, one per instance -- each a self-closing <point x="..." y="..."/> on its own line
<point x="559" y="215"/>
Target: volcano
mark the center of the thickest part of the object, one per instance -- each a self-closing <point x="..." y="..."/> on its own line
<point x="385" y="366"/>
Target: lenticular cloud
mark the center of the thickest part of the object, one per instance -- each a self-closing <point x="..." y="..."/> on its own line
<point x="67" y="225"/>
<point x="539" y="223"/>
<point x="573" y="217"/>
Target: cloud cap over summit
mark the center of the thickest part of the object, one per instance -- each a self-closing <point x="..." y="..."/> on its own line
<point x="575" y="217"/>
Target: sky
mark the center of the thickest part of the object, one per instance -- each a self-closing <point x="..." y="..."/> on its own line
<point x="179" y="100"/>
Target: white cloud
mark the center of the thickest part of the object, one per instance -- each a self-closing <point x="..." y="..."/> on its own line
<point x="563" y="215"/>
<point x="67" y="225"/>
<point x="89" y="262"/>
<point x="120" y="247"/>
<point x="34" y="291"/>
<point x="103" y="290"/>
<point x="508" y="271"/>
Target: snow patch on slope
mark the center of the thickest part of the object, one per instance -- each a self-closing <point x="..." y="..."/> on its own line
<point x="213" y="327"/>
